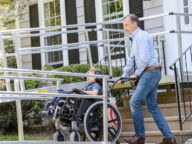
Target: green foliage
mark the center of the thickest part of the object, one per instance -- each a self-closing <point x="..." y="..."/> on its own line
<point x="47" y="67"/>
<point x="15" y="138"/>
<point x="9" y="9"/>
<point x="34" y="84"/>
<point x="30" y="113"/>
<point x="30" y="109"/>
<point x="75" y="68"/>
<point x="6" y="2"/>
<point x="8" y="119"/>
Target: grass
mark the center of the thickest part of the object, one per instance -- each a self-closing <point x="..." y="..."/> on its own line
<point x="15" y="138"/>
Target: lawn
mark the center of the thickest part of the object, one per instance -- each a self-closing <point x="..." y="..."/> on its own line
<point x="15" y="138"/>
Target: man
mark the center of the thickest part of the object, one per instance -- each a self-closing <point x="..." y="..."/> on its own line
<point x="148" y="75"/>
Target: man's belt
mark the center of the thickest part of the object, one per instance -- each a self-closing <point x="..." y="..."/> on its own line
<point x="149" y="68"/>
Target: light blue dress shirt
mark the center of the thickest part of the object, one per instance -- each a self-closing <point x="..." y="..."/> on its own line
<point x="143" y="51"/>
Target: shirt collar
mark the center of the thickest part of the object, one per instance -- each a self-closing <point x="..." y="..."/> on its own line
<point x="134" y="33"/>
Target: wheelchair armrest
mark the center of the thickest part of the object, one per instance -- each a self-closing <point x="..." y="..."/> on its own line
<point x="64" y="92"/>
<point x="78" y="91"/>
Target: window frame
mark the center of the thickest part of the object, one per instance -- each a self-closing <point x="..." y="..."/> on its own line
<point x="109" y="16"/>
<point x="50" y="59"/>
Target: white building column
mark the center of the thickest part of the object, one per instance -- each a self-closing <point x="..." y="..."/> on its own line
<point x="125" y="7"/>
<point x="171" y="41"/>
<point x="64" y="36"/>
<point x="126" y="11"/>
<point x="41" y="24"/>
<point x="81" y="35"/>
<point x="99" y="18"/>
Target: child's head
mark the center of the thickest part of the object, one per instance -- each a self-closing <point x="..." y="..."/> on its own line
<point x="93" y="71"/>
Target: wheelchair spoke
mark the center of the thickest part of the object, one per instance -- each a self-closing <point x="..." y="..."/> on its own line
<point x="112" y="120"/>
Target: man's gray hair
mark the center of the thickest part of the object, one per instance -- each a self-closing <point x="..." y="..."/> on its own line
<point x="132" y="17"/>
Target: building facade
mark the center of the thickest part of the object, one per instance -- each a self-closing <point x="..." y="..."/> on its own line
<point x="50" y="13"/>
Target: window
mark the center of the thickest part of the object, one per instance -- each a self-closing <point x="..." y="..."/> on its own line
<point x="52" y="13"/>
<point x="52" y="17"/>
<point x="112" y="9"/>
<point x="186" y="10"/>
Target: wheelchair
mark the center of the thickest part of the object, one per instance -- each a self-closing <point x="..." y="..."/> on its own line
<point x="82" y="116"/>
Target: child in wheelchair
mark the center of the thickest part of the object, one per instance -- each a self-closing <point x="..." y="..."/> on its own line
<point x="94" y="87"/>
<point x="77" y="115"/>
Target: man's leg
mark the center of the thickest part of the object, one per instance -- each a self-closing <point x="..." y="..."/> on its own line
<point x="152" y="107"/>
<point x="144" y="87"/>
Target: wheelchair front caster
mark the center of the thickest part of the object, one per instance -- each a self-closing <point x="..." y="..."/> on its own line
<point x="75" y="136"/>
<point x="59" y="136"/>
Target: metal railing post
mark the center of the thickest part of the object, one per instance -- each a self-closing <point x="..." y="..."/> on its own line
<point x="18" y="59"/>
<point x="8" y="84"/>
<point x="58" y="85"/>
<point x="109" y="56"/>
<point x="19" y="113"/>
<point x="178" y="93"/>
<point x="179" y="39"/>
<point x="89" y="50"/>
<point x="105" y="122"/>
<point x="164" y="58"/>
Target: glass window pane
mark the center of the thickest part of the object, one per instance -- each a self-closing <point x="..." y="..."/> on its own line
<point x="53" y="22"/>
<point x="61" y="55"/>
<point x="112" y="7"/>
<point x="186" y="10"/>
<point x="52" y="9"/>
<point x="57" y="6"/>
<point x="185" y="2"/>
<point x="105" y="9"/>
<point x="47" y="22"/>
<point x="186" y="18"/>
<point x="46" y="10"/>
<point x="58" y="21"/>
<point x="119" y="5"/>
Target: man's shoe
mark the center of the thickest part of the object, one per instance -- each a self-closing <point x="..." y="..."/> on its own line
<point x="169" y="141"/>
<point x="135" y="140"/>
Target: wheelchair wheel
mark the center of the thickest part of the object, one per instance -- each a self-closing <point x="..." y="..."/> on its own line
<point x="93" y="122"/>
<point x="59" y="136"/>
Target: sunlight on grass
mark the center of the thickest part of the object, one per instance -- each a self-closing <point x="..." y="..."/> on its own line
<point x="15" y="138"/>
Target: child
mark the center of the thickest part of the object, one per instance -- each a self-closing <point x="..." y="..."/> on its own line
<point x="94" y="87"/>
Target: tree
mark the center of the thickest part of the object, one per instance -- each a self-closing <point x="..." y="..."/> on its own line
<point x="11" y="9"/>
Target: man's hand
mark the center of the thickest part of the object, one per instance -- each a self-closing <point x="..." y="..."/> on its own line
<point x="120" y="82"/>
<point x="134" y="76"/>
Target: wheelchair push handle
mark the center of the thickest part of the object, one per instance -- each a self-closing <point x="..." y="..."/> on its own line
<point x="123" y="80"/>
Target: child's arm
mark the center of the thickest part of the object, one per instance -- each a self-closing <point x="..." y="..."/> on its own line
<point x="93" y="92"/>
